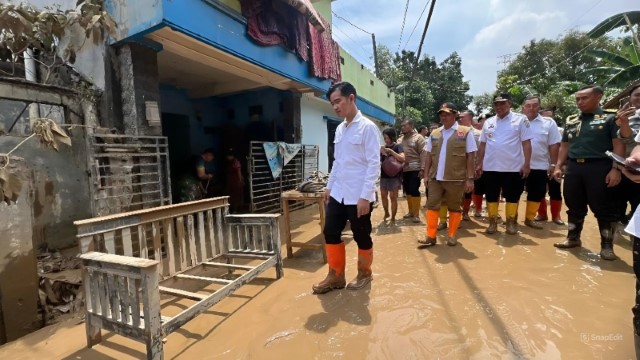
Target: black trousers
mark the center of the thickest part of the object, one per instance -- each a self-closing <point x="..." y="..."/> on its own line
<point x="411" y="183"/>
<point x="554" y="189"/>
<point x="336" y="218"/>
<point x="537" y="185"/>
<point x="627" y="192"/>
<point x="510" y="184"/>
<point x="636" y="270"/>
<point x="584" y="185"/>
<point x="478" y="186"/>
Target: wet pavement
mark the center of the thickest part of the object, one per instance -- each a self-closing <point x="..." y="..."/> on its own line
<point x="491" y="297"/>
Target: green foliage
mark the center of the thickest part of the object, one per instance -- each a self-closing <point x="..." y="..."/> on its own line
<point x="432" y="84"/>
<point x="483" y="103"/>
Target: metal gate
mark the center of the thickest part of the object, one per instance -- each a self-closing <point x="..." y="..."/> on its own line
<point x="264" y="191"/>
<point x="128" y="173"/>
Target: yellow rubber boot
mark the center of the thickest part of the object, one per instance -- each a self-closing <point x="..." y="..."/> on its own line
<point x="512" y="217"/>
<point x="492" y="212"/>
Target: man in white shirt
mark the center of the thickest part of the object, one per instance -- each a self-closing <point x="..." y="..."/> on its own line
<point x="466" y="119"/>
<point x="504" y="157"/>
<point x="544" y="146"/>
<point x="350" y="190"/>
<point x="553" y="186"/>
<point x="449" y="172"/>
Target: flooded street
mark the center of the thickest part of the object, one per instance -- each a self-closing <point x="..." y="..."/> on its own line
<point x="490" y="297"/>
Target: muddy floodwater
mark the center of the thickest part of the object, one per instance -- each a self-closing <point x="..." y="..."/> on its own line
<point x="490" y="297"/>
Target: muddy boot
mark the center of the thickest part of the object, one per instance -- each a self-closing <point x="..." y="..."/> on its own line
<point x="607" y="230"/>
<point x="573" y="236"/>
<point x="493" y="225"/>
<point x="512" y="226"/>
<point x="365" y="258"/>
<point x="335" y="278"/>
<point x="636" y="341"/>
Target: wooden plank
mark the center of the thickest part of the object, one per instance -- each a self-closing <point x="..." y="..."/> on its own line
<point x="211" y="234"/>
<point x="91" y="291"/>
<point x="169" y="243"/>
<point x="96" y="258"/>
<point x="122" y="329"/>
<point x="220" y="231"/>
<point x="185" y="316"/>
<point x="151" y="308"/>
<point x="112" y="293"/>
<point x="229" y="266"/>
<point x="182" y="293"/>
<point x="86" y="244"/>
<point x="247" y="256"/>
<point x="204" y="278"/>
<point x="307" y="246"/>
<point x="127" y="245"/>
<point x="134" y="297"/>
<point x="142" y="241"/>
<point x="157" y="245"/>
<point x="201" y="238"/>
<point x="182" y="243"/>
<point x="125" y="301"/>
<point x="191" y="235"/>
<point x="93" y="332"/>
<point x="110" y="243"/>
<point x="102" y="293"/>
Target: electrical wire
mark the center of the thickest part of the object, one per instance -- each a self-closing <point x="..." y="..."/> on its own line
<point x="404" y="20"/>
<point x="416" y="25"/>
<point x="350" y="23"/>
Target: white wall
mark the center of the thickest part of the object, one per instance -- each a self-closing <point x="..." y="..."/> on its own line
<point x="314" y="126"/>
<point x="90" y="57"/>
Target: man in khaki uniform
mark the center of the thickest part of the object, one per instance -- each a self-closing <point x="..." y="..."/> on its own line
<point x="413" y="146"/>
<point x="449" y="172"/>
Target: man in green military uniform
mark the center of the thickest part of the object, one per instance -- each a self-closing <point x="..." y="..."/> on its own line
<point x="590" y="175"/>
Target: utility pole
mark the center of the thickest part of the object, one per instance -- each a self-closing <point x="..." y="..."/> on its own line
<point x="424" y="34"/>
<point x="375" y="55"/>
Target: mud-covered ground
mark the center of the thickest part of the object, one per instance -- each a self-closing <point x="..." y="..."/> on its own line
<point x="490" y="297"/>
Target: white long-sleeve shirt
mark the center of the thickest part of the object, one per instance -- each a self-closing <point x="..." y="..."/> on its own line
<point x="356" y="165"/>
<point x="545" y="133"/>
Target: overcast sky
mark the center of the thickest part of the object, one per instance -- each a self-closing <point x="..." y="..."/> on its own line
<point x="481" y="31"/>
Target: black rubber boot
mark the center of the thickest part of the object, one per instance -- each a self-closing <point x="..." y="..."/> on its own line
<point x="607" y="231"/>
<point x="573" y="236"/>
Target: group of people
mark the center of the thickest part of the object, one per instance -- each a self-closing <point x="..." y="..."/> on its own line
<point x="466" y="159"/>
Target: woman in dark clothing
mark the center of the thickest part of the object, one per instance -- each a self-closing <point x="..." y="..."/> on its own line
<point x="389" y="185"/>
<point x="234" y="182"/>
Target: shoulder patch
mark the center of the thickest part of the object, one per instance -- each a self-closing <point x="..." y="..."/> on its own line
<point x="573" y="118"/>
<point x="610" y="111"/>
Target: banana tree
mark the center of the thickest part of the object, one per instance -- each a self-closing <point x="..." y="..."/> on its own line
<point x="624" y="64"/>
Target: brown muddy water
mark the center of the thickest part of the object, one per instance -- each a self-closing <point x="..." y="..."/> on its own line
<point x="490" y="297"/>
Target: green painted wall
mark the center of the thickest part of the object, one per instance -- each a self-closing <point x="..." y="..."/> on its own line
<point x="234" y="4"/>
<point x="323" y="7"/>
<point x="367" y="85"/>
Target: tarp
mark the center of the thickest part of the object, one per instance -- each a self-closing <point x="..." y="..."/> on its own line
<point x="307" y="9"/>
<point x="279" y="154"/>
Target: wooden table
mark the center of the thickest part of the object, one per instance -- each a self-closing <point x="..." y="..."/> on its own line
<point x="295" y="195"/>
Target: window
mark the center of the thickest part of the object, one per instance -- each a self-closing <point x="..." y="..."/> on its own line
<point x="16" y="116"/>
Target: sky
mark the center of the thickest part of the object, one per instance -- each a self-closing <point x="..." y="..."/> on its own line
<point x="481" y="31"/>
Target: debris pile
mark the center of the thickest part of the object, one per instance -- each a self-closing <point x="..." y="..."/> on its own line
<point x="60" y="285"/>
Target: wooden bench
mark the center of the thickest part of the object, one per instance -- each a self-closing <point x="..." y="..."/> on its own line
<point x="127" y="257"/>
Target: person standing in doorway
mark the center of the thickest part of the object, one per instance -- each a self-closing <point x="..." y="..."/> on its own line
<point x="504" y="158"/>
<point x="350" y="190"/>
<point x="449" y="172"/>
<point x="591" y="176"/>
<point x="205" y="171"/>
<point x="544" y="146"/>
<point x="413" y="146"/>
<point x="234" y="185"/>
<point x="390" y="185"/>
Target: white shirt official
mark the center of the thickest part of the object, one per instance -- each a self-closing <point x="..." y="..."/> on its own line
<point x="356" y="165"/>
<point x="446" y="134"/>
<point x="503" y="138"/>
<point x="633" y="227"/>
<point x="545" y="133"/>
